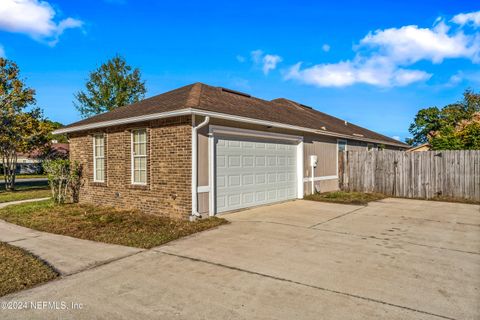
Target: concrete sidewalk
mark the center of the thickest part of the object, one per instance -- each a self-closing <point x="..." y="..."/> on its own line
<point x="66" y="254"/>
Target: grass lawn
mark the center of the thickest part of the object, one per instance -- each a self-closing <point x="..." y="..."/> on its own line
<point x="24" y="194"/>
<point x="25" y="190"/>
<point x="30" y="176"/>
<point x="358" y="198"/>
<point x="20" y="270"/>
<point x="124" y="227"/>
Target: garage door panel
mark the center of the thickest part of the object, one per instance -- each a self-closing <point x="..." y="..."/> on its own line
<point x="248" y="179"/>
<point x="252" y="172"/>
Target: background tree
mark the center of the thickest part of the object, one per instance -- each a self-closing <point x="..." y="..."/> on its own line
<point x="60" y="138"/>
<point x="20" y="130"/>
<point x="453" y="127"/>
<point x="112" y="85"/>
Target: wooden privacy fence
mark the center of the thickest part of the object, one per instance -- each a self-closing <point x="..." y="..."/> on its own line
<point x="428" y="174"/>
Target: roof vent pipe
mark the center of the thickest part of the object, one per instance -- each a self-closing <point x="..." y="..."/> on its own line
<point x="195" y="213"/>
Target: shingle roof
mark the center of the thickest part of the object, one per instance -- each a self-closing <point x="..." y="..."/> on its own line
<point x="204" y="97"/>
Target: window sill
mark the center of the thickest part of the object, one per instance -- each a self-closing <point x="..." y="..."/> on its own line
<point x="138" y="186"/>
<point x="98" y="183"/>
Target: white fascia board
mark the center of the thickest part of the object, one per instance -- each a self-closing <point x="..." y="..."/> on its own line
<point x="110" y="123"/>
<point x="218" y="115"/>
<point x="224" y="116"/>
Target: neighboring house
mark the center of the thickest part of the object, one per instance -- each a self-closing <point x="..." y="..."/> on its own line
<point x="421" y="147"/>
<point x="30" y="163"/>
<point x="27" y="164"/>
<point x="242" y="151"/>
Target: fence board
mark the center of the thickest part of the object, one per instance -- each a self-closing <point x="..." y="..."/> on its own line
<point x="428" y="174"/>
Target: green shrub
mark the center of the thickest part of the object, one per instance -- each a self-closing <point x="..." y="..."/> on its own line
<point x="64" y="179"/>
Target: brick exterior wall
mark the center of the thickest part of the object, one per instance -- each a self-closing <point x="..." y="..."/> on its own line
<point x="168" y="188"/>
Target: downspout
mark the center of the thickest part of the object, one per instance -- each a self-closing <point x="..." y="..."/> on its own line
<point x="195" y="213"/>
<point x="313" y="177"/>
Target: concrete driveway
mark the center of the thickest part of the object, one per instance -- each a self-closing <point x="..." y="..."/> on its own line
<point x="394" y="259"/>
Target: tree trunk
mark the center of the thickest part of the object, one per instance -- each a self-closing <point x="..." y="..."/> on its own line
<point x="9" y="161"/>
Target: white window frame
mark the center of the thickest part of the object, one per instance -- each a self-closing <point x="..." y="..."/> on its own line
<point x="95" y="157"/>
<point x="133" y="156"/>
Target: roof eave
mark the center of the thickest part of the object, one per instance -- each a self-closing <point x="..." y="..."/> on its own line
<point x="224" y="116"/>
<point x="218" y="115"/>
<point x="110" y="123"/>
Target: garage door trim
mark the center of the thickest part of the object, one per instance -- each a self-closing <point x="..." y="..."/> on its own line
<point x="215" y="131"/>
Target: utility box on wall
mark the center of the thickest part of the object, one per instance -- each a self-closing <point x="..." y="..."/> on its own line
<point x="313" y="161"/>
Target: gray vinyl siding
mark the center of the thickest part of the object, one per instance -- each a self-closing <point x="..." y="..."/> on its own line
<point x="325" y="148"/>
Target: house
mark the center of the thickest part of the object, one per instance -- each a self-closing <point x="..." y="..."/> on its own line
<point x="31" y="163"/>
<point x="421" y="147"/>
<point x="201" y="149"/>
<point x="26" y="164"/>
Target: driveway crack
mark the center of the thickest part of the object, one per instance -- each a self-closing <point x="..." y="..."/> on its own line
<point x="337" y="217"/>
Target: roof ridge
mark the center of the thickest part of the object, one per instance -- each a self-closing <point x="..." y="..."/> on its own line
<point x="194" y="94"/>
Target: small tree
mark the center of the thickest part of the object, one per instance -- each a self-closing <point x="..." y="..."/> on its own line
<point x="64" y="179"/>
<point x="113" y="85"/>
<point x="20" y="130"/>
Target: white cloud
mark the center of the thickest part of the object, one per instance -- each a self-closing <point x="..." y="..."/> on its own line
<point x="467" y="18"/>
<point x="396" y="138"/>
<point x="347" y="73"/>
<point x="2" y="52"/>
<point x="326" y="47"/>
<point x="34" y="18"/>
<point x="240" y="58"/>
<point x="267" y="62"/>
<point x="270" y="62"/>
<point x="404" y="77"/>
<point x="455" y="79"/>
<point x="472" y="77"/>
<point x="383" y="58"/>
<point x="256" y="55"/>
<point x="410" y="44"/>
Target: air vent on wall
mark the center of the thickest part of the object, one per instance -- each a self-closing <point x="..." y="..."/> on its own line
<point x="236" y="92"/>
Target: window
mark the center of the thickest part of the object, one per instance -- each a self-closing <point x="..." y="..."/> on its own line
<point x="99" y="158"/>
<point x="342" y="145"/>
<point x="139" y="156"/>
<point x="370" y="146"/>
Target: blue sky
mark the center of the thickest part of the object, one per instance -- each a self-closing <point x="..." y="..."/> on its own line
<point x="373" y="63"/>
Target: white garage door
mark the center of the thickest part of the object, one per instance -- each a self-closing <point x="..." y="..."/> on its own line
<point x="252" y="172"/>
